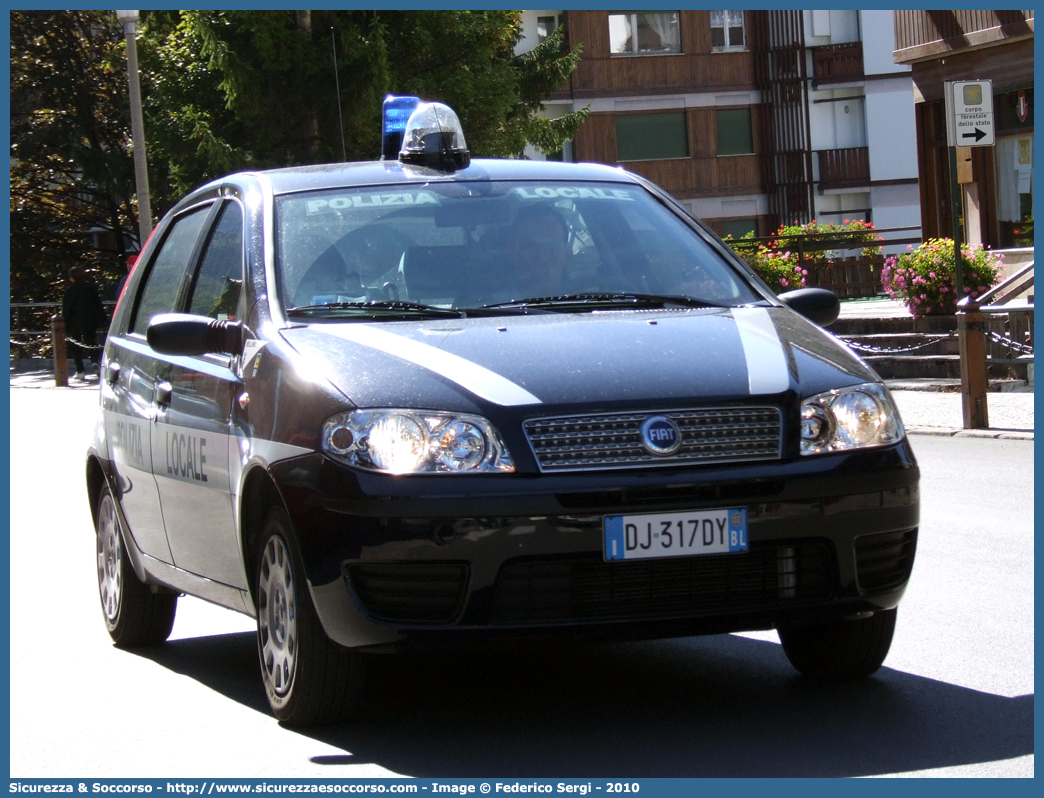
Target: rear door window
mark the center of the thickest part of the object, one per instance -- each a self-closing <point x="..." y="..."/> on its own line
<point x="219" y="281"/>
<point x="169" y="269"/>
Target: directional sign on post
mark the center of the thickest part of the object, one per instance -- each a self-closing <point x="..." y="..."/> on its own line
<point x="969" y="113"/>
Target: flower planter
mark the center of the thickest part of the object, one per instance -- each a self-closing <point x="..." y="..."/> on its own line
<point x="925" y="279"/>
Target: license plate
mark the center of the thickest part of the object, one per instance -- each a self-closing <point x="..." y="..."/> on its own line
<point x="684" y="534"/>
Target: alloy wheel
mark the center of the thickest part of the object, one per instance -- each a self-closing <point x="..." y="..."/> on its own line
<point x="277" y="616"/>
<point x="110" y="560"/>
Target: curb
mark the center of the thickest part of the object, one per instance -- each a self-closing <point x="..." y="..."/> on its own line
<point x="957" y="432"/>
<point x="954" y="386"/>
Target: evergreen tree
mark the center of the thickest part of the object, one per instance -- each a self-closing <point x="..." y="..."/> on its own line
<point x="72" y="175"/>
<point x="231" y="90"/>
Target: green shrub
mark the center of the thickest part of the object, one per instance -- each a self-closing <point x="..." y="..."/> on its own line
<point x="855" y="231"/>
<point x="778" y="262"/>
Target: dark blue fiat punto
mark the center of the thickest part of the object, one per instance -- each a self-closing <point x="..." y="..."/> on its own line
<point x="435" y="399"/>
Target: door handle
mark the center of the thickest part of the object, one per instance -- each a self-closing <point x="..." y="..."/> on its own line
<point x="112" y="372"/>
<point x="164" y="390"/>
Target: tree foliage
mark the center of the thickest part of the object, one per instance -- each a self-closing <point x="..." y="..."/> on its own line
<point x="72" y="176"/>
<point x="246" y="89"/>
<point x="230" y="90"/>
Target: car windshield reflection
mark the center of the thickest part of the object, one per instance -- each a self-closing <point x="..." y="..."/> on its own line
<point x="566" y="247"/>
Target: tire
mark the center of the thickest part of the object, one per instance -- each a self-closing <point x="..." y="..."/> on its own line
<point x="135" y="615"/>
<point x="839" y="650"/>
<point x="309" y="680"/>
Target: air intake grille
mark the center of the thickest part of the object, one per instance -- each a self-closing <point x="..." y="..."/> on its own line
<point x="541" y="591"/>
<point x="614" y="440"/>
<point x="410" y="592"/>
<point x="884" y="560"/>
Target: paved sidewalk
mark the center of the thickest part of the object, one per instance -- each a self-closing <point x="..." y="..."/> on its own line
<point x="880" y="307"/>
<point x="925" y="410"/>
<point x="940" y="413"/>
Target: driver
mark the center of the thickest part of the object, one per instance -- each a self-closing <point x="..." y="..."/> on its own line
<point x="538" y="252"/>
<point x="329" y="280"/>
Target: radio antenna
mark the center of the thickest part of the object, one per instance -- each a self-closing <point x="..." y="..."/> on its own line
<point x="337" y="82"/>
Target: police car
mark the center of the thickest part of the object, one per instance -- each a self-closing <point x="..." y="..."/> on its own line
<point x="431" y="398"/>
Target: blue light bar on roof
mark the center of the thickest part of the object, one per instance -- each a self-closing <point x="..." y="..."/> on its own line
<point x="397" y="111"/>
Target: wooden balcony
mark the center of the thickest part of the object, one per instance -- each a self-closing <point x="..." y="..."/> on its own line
<point x="837" y="63"/>
<point x="844" y="168"/>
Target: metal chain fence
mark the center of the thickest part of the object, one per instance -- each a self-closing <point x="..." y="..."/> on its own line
<point x="996" y="337"/>
<point x="896" y="350"/>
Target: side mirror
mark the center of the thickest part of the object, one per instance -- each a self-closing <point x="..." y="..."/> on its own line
<point x="815" y="304"/>
<point x="183" y="334"/>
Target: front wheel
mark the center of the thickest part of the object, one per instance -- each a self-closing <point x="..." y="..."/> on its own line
<point x="840" y="649"/>
<point x="309" y="680"/>
<point x="135" y="614"/>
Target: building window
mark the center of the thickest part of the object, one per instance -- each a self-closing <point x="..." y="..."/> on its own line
<point x="737" y="228"/>
<point x="735" y="135"/>
<point x="545" y="27"/>
<point x="646" y="33"/>
<point x="1013" y="158"/>
<point x="651" y="137"/>
<point x="727" y="30"/>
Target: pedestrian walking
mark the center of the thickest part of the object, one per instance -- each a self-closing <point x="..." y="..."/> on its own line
<point x="84" y="314"/>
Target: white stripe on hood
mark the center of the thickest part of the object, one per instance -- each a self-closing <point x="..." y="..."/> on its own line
<point x="766" y="362"/>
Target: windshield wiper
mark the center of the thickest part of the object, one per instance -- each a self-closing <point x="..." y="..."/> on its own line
<point x="383" y="305"/>
<point x="618" y="300"/>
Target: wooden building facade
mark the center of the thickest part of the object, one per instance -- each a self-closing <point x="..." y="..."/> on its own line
<point x="695" y="92"/>
<point x="715" y="106"/>
<point x="996" y="182"/>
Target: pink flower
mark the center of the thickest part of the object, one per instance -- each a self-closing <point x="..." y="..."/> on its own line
<point x="967" y="289"/>
<point x="932" y="275"/>
<point x="783" y="281"/>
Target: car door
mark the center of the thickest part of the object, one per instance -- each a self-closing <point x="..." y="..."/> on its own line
<point x="132" y="376"/>
<point x="194" y="395"/>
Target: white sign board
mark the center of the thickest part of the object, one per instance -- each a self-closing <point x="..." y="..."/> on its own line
<point x="969" y="113"/>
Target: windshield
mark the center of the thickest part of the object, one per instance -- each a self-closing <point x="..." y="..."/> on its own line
<point x="425" y="248"/>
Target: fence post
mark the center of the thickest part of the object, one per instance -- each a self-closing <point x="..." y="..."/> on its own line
<point x="61" y="364"/>
<point x="974" y="383"/>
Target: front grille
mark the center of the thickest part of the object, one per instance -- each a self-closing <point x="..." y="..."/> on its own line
<point x="764" y="577"/>
<point x="884" y="560"/>
<point x="614" y="440"/>
<point x="410" y="592"/>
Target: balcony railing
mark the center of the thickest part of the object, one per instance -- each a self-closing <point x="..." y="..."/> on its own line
<point x="844" y="168"/>
<point x="837" y="63"/>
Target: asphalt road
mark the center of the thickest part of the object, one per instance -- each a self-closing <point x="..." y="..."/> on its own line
<point x="954" y="698"/>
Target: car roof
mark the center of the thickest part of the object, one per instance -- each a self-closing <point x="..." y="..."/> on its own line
<point x="375" y="173"/>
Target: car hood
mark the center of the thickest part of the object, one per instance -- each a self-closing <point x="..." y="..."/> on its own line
<point x="606" y="359"/>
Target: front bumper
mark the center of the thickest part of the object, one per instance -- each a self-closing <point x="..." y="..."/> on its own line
<point x="392" y="560"/>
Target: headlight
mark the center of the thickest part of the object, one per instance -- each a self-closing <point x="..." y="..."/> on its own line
<point x="849" y="418"/>
<point x="416" y="442"/>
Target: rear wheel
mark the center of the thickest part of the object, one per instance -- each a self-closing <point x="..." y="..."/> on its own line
<point x="841" y="649"/>
<point x="309" y="680"/>
<point x="134" y="614"/>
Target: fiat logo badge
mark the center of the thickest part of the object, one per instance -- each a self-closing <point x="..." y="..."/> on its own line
<point x="661" y="436"/>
